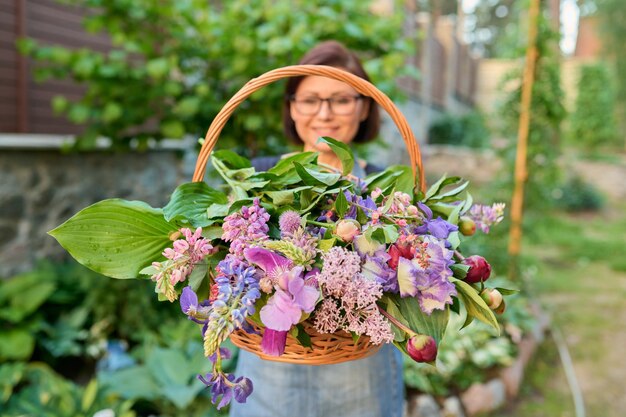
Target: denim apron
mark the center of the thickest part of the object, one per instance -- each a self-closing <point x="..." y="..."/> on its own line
<point x="369" y="387"/>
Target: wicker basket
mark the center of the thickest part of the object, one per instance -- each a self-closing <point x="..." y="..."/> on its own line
<point x="325" y="348"/>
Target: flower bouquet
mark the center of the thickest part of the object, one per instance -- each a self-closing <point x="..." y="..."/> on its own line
<point x="301" y="263"/>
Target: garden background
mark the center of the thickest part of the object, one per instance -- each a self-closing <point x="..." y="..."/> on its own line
<point x="107" y="99"/>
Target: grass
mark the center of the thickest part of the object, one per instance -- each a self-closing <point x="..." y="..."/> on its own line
<point x="575" y="265"/>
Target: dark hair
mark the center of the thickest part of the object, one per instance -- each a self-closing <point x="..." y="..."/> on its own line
<point x="334" y="54"/>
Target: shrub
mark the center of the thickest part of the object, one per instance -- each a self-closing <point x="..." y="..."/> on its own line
<point x="174" y="64"/>
<point x="466" y="130"/>
<point x="577" y="195"/>
<point x="593" y="122"/>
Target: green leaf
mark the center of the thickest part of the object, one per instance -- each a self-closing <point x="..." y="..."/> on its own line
<point x="420" y="322"/>
<point x="131" y="383"/>
<point x="157" y="68"/>
<point x="448" y="195"/>
<point x="436" y="187"/>
<point x="459" y="270"/>
<point x="285" y="197"/>
<point x="469" y="200"/>
<point x="198" y="275"/>
<point x="312" y="177"/>
<point x="190" y="201"/>
<point x="507" y="291"/>
<point x="231" y="159"/>
<point x="217" y="210"/>
<point x="23" y="295"/>
<point x="17" y="344"/>
<point x="341" y="204"/>
<point x="303" y="337"/>
<point x="115" y="237"/>
<point x="475" y="306"/>
<point x="172" y="129"/>
<point x="326" y="244"/>
<point x="237" y="173"/>
<point x="212" y="233"/>
<point x="285" y="165"/>
<point x="343" y="152"/>
<point x="399" y="177"/>
<point x="89" y="396"/>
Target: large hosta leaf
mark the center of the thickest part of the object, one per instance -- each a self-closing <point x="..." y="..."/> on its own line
<point x="115" y="237"/>
<point x="190" y="201"/>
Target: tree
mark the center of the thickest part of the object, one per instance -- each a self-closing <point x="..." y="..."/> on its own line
<point x="174" y="63"/>
<point x="593" y="120"/>
<point x="547" y="114"/>
<point x="612" y="15"/>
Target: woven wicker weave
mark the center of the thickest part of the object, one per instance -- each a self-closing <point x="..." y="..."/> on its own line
<point x="326" y="348"/>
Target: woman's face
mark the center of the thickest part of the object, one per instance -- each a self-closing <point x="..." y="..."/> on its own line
<point x="325" y="121"/>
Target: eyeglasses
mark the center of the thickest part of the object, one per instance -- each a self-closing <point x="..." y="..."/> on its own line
<point x="339" y="105"/>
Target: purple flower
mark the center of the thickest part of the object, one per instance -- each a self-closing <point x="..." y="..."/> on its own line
<point x="188" y="301"/>
<point x="224" y="386"/>
<point x="438" y="227"/>
<point x="487" y="216"/>
<point x="273" y="342"/>
<point x="426" y="276"/>
<point x="220" y="387"/>
<point x="376" y="268"/>
<point x="292" y="296"/>
<point x="242" y="389"/>
<point x="367" y="205"/>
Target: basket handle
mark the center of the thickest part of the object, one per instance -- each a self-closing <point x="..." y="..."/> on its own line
<point x="362" y="86"/>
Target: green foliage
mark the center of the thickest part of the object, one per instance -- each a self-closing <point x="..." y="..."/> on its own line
<point x="174" y="64"/>
<point x="577" y="195"/>
<point x="612" y="14"/>
<point x="593" y="120"/>
<point x="464" y="357"/>
<point x="546" y="114"/>
<point x="494" y="28"/>
<point x="20" y="300"/>
<point x="56" y="312"/>
<point x="166" y="377"/>
<point x="36" y="390"/>
<point x="467" y="130"/>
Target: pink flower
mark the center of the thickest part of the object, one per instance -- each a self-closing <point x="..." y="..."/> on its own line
<point x="273" y="342"/>
<point x="289" y="221"/>
<point x="347" y="229"/>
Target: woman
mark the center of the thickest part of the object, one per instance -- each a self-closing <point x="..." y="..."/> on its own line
<point x="371" y="387"/>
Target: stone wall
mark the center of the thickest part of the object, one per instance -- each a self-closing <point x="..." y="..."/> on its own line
<point x="40" y="189"/>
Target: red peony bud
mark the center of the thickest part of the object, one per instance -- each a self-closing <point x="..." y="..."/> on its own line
<point x="422" y="348"/>
<point x="467" y="226"/>
<point x="493" y="298"/>
<point x="479" y="269"/>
